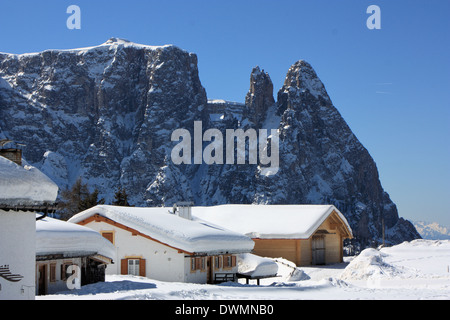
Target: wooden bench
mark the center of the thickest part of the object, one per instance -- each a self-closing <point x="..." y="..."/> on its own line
<point x="224" y="277"/>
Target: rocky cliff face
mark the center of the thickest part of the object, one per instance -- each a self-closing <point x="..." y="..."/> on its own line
<point x="260" y="96"/>
<point x="107" y="113"/>
<point x="102" y="113"/>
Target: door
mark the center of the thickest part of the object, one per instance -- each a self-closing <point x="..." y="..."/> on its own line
<point x="318" y="250"/>
<point x="42" y="277"/>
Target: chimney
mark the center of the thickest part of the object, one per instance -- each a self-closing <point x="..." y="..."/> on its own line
<point x="12" y="154"/>
<point x="183" y="209"/>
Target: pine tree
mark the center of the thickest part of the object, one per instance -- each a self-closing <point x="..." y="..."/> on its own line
<point x="90" y="201"/>
<point x="121" y="198"/>
<point x="77" y="199"/>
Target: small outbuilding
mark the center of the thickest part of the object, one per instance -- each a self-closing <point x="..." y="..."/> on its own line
<point x="69" y="256"/>
<point x="303" y="234"/>
<point x="166" y="244"/>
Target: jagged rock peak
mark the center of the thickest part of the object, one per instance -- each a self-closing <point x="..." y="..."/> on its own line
<point x="302" y="87"/>
<point x="301" y="75"/>
<point x="260" y="95"/>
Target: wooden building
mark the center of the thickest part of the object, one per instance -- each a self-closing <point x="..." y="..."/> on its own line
<point x="303" y="234"/>
<point x="69" y="256"/>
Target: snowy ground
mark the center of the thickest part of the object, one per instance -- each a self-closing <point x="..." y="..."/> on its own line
<point x="409" y="271"/>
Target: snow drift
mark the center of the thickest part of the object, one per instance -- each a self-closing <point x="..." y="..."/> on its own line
<point x="415" y="259"/>
<point x="369" y="265"/>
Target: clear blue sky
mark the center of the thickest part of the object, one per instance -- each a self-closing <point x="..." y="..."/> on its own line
<point x="392" y="85"/>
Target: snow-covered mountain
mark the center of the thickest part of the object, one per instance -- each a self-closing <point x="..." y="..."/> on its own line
<point x="106" y="113"/>
<point x="432" y="230"/>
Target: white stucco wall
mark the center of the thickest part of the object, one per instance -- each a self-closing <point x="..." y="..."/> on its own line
<point x="197" y="276"/>
<point x="18" y="253"/>
<point x="162" y="262"/>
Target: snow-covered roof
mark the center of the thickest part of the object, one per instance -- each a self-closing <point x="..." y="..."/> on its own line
<point x="187" y="235"/>
<point x="269" y="221"/>
<point x="59" y="237"/>
<point x="24" y="185"/>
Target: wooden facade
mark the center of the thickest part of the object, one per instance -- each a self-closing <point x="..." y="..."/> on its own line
<point x="324" y="246"/>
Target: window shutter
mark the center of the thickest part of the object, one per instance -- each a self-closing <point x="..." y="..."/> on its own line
<point x="233" y="261"/>
<point x="124" y="266"/>
<point x="142" y="271"/>
<point x="227" y="261"/>
<point x="52" y="272"/>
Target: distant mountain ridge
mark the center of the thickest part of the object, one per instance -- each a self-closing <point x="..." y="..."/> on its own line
<point x="432" y="230"/>
<point x="106" y="114"/>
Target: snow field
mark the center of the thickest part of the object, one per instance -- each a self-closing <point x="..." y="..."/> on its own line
<point x="410" y="271"/>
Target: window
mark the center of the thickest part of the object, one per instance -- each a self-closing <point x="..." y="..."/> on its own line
<point x="217" y="262"/>
<point x="64" y="270"/>
<point x="133" y="267"/>
<point x="198" y="263"/>
<point x="229" y="261"/>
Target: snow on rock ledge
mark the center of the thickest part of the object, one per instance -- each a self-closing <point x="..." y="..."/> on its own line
<point x="24" y="185"/>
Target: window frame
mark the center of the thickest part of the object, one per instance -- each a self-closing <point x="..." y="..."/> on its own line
<point x="198" y="264"/>
<point x="229" y="261"/>
<point x="135" y="268"/>
<point x="218" y="262"/>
